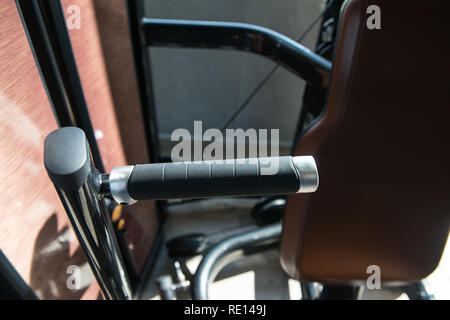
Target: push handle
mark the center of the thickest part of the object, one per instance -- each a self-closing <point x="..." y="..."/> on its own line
<point x="67" y="160"/>
<point x="236" y="177"/>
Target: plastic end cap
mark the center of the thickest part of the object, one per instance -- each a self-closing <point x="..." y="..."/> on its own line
<point x="67" y="158"/>
<point x="307" y="170"/>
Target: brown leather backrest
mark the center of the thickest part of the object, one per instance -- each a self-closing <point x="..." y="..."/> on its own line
<point x="383" y="151"/>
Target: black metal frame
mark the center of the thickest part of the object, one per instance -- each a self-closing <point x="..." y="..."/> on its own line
<point x="45" y="27"/>
<point x="170" y="33"/>
<point x="314" y="100"/>
<point x="145" y="86"/>
<point x="144" y="78"/>
<point x="239" y="36"/>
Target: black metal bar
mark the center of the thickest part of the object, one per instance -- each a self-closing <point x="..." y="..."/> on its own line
<point x="128" y="259"/>
<point x="92" y="225"/>
<point x="68" y="164"/>
<point x="240" y="36"/>
<point x="144" y="78"/>
<point x="314" y="100"/>
<point x="142" y="66"/>
<point x="340" y="292"/>
<point x="45" y="25"/>
<point x="149" y="265"/>
<point x="47" y="33"/>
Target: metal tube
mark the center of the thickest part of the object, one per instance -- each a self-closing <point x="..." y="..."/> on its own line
<point x="142" y="67"/>
<point x="224" y="252"/>
<point x="240" y="36"/>
<point x="90" y="220"/>
<point x="68" y="164"/>
<point x="45" y="25"/>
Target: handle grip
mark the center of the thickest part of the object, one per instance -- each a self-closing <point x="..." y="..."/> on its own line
<point x="206" y="179"/>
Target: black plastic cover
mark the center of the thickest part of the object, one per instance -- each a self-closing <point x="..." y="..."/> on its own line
<point x="67" y="158"/>
<point x="211" y="179"/>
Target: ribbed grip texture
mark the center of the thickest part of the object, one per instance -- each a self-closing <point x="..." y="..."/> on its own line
<point x="240" y="177"/>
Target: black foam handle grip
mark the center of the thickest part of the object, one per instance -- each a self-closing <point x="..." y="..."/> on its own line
<point x="238" y="177"/>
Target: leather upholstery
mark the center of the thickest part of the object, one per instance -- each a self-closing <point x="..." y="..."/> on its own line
<point x="383" y="151"/>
